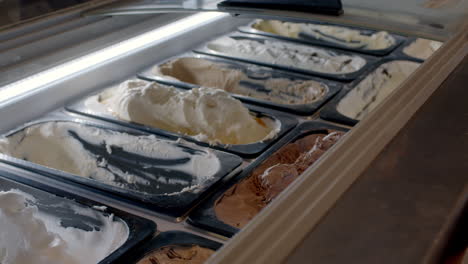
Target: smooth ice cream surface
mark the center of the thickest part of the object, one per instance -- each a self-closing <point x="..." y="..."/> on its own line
<point x="100" y="154"/>
<point x="422" y="48"/>
<point x="348" y="37"/>
<point x="371" y="91"/>
<point x="257" y="84"/>
<point x="238" y="205"/>
<point x="207" y="114"/>
<point x="30" y="236"/>
<point x="288" y="55"/>
<point x="178" y="254"/>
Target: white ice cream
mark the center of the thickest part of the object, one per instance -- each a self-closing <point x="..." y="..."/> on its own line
<point x="208" y="114"/>
<point x="288" y="55"/>
<point x="64" y="146"/>
<point x="29" y="236"/>
<point x="371" y="91"/>
<point x="422" y="48"/>
<point x="222" y="76"/>
<point x="348" y="37"/>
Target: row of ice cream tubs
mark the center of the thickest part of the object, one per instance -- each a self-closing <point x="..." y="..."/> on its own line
<point x="210" y="136"/>
<point x="148" y="171"/>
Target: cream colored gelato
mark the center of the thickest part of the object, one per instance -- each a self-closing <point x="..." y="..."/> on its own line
<point x="87" y="151"/>
<point x="208" y="114"/>
<point x="422" y="48"/>
<point x="223" y="76"/>
<point x="288" y="55"/>
<point x="348" y="37"/>
<point x="371" y="91"/>
<point x="30" y="236"/>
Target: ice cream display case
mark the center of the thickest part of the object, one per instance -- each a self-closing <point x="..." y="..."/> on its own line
<point x="235" y="132"/>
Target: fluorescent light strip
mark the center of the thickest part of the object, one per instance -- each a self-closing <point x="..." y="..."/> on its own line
<point x="41" y="79"/>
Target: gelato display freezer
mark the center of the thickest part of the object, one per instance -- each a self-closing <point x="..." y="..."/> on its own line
<point x="226" y="132"/>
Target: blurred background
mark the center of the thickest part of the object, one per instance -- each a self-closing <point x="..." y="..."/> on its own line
<point x="13" y="11"/>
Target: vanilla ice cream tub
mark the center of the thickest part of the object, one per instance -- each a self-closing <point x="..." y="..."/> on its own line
<point x="149" y="171"/>
<point x="378" y="43"/>
<point x="40" y="227"/>
<point x="206" y="116"/>
<point x="272" y="88"/>
<point x="289" y="56"/>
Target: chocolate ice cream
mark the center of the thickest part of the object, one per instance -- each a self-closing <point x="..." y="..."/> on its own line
<point x="178" y="255"/>
<point x="238" y="205"/>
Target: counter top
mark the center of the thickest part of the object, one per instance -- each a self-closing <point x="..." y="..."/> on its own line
<point x="403" y="207"/>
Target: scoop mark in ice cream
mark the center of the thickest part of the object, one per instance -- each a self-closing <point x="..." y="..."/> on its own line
<point x="238" y="205"/>
<point x="229" y="78"/>
<point x="288" y="55"/>
<point x="377" y="86"/>
<point x="178" y="254"/>
<point x="422" y="48"/>
<point x="207" y="114"/>
<point x="348" y="37"/>
<point x="30" y="236"/>
<point x="112" y="157"/>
